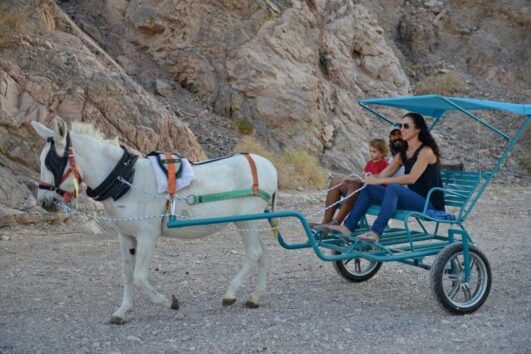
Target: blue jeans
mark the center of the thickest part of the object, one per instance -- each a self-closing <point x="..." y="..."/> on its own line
<point x="394" y="196"/>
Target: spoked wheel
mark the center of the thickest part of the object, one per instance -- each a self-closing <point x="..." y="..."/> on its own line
<point x="453" y="292"/>
<point x="356" y="269"/>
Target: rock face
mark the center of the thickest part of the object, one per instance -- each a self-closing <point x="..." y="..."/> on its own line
<point x="49" y="67"/>
<point x="290" y="68"/>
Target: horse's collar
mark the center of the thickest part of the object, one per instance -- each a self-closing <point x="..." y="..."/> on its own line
<point x="112" y="186"/>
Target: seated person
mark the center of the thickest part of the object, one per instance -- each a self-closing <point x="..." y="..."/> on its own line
<point x="342" y="187"/>
<point x="421" y="161"/>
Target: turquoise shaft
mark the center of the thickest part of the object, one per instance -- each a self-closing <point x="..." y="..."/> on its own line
<point x="319" y="246"/>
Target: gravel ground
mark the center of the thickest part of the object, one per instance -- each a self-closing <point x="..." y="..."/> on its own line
<point x="59" y="287"/>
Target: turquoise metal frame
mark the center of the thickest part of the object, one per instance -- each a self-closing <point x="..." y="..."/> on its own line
<point x="462" y="190"/>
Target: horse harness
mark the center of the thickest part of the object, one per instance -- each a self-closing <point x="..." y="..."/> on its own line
<point x="110" y="187"/>
<point x="57" y="165"/>
<point x="113" y="186"/>
<point x="246" y="192"/>
<point x="124" y="170"/>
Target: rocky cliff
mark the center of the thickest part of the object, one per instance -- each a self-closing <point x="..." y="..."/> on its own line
<point x="49" y="67"/>
<point x="189" y="75"/>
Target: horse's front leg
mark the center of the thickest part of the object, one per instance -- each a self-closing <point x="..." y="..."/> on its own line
<point x="128" y="249"/>
<point x="144" y="253"/>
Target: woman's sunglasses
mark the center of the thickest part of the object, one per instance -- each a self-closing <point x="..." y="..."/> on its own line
<point x="404" y="126"/>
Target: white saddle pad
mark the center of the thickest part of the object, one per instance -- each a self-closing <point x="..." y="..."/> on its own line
<point x="183" y="181"/>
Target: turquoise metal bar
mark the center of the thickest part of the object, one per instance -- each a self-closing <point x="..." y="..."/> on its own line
<point x="176" y="223"/>
<point x="378" y="114"/>
<point x="466" y="256"/>
<point x="477" y="119"/>
<point x="312" y="241"/>
<point x="501" y="160"/>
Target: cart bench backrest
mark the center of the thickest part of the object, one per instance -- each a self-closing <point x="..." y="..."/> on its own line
<point x="463" y="189"/>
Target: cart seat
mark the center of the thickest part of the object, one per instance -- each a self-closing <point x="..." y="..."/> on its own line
<point x="458" y="188"/>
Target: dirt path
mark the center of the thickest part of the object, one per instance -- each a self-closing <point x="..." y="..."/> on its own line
<point x="58" y="290"/>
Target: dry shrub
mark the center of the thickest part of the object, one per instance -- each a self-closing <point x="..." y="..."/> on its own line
<point x="249" y="144"/>
<point x="244" y="126"/>
<point x="448" y="83"/>
<point x="295" y="167"/>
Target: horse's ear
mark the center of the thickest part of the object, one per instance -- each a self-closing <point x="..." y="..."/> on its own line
<point x="42" y="130"/>
<point x="59" y="130"/>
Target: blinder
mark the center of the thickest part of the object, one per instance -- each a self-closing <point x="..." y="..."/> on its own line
<point x="57" y="166"/>
<point x="55" y="163"/>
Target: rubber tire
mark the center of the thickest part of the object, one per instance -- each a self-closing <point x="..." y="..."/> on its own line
<point x="436" y="276"/>
<point x="340" y="268"/>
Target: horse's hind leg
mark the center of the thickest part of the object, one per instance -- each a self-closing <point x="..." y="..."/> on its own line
<point x="253" y="252"/>
<point x="263" y="266"/>
<point x="128" y="250"/>
<point x="144" y="253"/>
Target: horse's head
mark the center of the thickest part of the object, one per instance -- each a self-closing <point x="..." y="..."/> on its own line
<point x="59" y="176"/>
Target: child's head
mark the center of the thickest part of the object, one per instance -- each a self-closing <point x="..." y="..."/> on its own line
<point x="377" y="149"/>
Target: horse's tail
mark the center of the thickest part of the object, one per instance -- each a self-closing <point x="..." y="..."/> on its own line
<point x="274" y="222"/>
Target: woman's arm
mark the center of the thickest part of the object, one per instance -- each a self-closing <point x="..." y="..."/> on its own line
<point x="391" y="169"/>
<point x="425" y="157"/>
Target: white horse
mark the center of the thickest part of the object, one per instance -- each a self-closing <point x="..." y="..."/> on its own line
<point x="94" y="158"/>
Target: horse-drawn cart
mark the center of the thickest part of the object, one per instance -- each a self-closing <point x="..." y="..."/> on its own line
<point x="460" y="273"/>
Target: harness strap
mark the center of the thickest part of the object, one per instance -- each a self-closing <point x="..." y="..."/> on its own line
<point x="253" y="171"/>
<point x="214" y="197"/>
<point x="111" y="186"/>
<point x="171" y="174"/>
<point x="254" y="191"/>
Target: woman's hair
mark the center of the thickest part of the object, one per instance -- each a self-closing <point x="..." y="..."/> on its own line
<point x="424" y="134"/>
<point x="380" y="145"/>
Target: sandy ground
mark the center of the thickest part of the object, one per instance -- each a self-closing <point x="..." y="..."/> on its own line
<point x="59" y="286"/>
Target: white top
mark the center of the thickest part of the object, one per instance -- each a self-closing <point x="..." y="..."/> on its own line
<point x="400" y="171"/>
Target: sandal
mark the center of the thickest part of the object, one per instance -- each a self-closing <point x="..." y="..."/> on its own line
<point x="370" y="236"/>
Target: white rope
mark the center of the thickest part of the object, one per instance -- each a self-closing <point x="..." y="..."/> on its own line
<point x="76" y="211"/>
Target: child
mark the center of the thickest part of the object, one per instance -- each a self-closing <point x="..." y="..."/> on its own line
<point x="341" y="187"/>
<point x="378" y="153"/>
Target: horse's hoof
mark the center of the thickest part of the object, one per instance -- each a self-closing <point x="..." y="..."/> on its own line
<point x="174" y="303"/>
<point x="117" y="320"/>
<point x="228" y="302"/>
<point x="251" y="304"/>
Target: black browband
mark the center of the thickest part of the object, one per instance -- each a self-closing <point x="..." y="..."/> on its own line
<point x="111" y="186"/>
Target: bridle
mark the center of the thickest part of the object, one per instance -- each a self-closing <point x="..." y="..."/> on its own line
<point x="57" y="165"/>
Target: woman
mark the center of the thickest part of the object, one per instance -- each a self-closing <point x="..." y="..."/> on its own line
<point x="422" y="173"/>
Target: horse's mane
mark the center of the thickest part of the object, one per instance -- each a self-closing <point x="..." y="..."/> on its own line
<point x="88" y="129"/>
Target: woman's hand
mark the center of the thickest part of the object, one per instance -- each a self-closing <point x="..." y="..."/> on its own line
<point x="370" y="179"/>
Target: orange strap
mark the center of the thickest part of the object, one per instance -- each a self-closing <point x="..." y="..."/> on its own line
<point x="171" y="174"/>
<point x="253" y="170"/>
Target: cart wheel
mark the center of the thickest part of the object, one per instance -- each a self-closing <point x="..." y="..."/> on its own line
<point x="356" y="269"/>
<point x="451" y="291"/>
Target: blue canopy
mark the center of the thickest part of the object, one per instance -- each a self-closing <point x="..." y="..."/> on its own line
<point x="436" y="106"/>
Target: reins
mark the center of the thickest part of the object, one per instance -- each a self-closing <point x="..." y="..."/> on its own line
<point x="119" y="182"/>
<point x="72" y="211"/>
